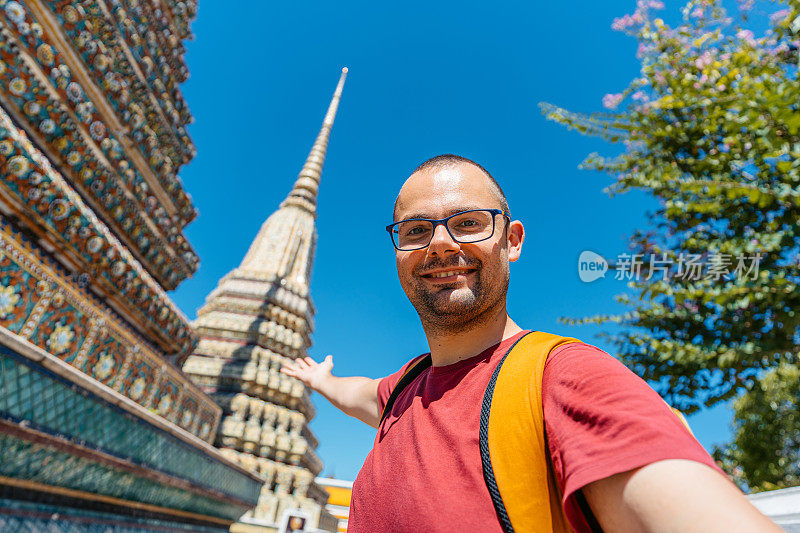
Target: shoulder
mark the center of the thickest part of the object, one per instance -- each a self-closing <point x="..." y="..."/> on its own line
<point x="587" y="385"/>
<point x="589" y="371"/>
<point x="602" y="419"/>
<point x="386" y="384"/>
<point x="579" y="357"/>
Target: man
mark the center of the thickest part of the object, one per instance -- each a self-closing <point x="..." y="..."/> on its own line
<point x="622" y="460"/>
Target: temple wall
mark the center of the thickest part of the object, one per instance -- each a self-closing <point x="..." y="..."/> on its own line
<point x="98" y="426"/>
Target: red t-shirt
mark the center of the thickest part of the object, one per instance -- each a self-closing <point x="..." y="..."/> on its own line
<point x="424" y="472"/>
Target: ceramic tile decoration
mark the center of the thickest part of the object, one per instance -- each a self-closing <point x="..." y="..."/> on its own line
<point x="98" y="424"/>
<point x="74" y="127"/>
<point x="128" y="447"/>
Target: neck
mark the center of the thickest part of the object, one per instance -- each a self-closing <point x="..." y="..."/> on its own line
<point x="448" y="347"/>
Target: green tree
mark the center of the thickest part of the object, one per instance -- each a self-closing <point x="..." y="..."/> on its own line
<point x="711" y="129"/>
<point x="765" y="451"/>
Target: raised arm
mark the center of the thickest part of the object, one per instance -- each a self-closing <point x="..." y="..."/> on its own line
<point x="640" y="469"/>
<point x="356" y="396"/>
<point x="673" y="495"/>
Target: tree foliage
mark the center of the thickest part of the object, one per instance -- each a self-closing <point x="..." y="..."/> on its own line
<point x="765" y="451"/>
<point x="711" y="129"/>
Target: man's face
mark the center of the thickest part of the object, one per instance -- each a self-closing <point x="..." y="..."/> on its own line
<point x="477" y="273"/>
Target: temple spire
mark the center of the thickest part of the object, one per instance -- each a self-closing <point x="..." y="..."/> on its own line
<point x="259" y="315"/>
<point x="304" y="193"/>
<point x="284" y="246"/>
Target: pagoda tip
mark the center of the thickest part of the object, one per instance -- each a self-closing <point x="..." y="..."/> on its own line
<point x="304" y="193"/>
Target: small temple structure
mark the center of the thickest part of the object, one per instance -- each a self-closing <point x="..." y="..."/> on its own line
<point x="98" y="426"/>
<point x="259" y="316"/>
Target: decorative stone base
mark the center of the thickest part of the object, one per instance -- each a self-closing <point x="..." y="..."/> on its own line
<point x="37" y="516"/>
<point x="127" y="457"/>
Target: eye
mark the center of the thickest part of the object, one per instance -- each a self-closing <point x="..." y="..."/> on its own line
<point x="469" y="225"/>
<point x="415" y="231"/>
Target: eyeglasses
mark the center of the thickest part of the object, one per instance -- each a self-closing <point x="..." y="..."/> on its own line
<point x="470" y="226"/>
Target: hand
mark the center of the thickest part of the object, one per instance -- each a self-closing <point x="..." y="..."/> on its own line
<point x="311" y="373"/>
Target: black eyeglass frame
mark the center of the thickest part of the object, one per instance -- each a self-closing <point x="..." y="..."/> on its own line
<point x="443" y="221"/>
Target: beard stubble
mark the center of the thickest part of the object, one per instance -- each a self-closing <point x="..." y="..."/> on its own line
<point x="471" y="306"/>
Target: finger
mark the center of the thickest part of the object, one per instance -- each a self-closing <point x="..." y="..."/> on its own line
<point x="329" y="359"/>
<point x="310" y="361"/>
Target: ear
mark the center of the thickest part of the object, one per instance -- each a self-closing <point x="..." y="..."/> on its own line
<point x="516" y="236"/>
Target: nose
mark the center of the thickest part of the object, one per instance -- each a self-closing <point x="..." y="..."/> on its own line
<point x="442" y="244"/>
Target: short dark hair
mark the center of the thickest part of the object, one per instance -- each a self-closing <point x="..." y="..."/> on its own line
<point x="446" y="160"/>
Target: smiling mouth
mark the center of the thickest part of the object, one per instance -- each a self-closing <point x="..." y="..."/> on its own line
<point x="447" y="274"/>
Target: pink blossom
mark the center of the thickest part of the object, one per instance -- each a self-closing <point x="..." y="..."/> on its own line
<point x="704" y="60"/>
<point x="697" y="13"/>
<point x="746" y="5"/>
<point x="780" y="49"/>
<point x="746" y="36"/>
<point x="611" y="101"/>
<point x="779" y="15"/>
<point x="622" y="23"/>
<point x="659" y="77"/>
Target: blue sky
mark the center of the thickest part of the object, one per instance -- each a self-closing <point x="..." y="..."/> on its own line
<point x="425" y="78"/>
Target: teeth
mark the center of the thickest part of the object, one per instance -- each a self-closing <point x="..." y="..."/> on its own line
<point x="446" y="274"/>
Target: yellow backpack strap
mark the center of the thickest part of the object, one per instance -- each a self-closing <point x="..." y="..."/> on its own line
<point x="512" y="440"/>
<point x="682" y="419"/>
